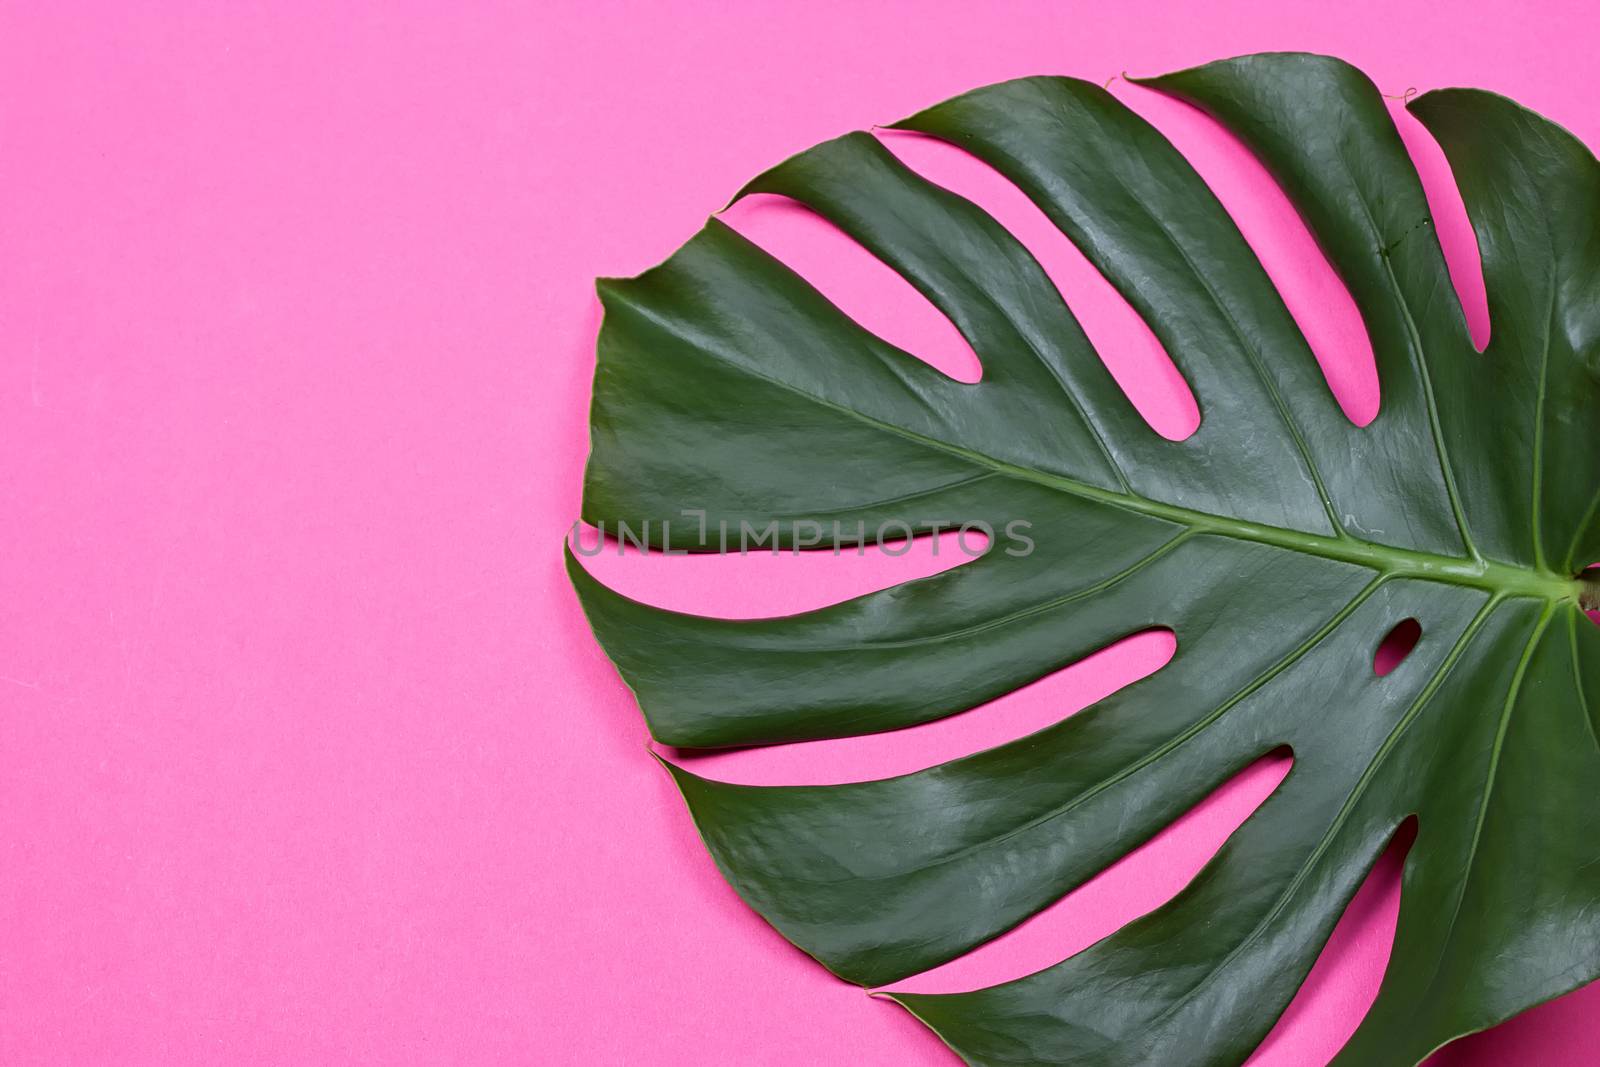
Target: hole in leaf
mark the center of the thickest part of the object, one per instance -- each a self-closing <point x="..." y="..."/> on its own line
<point x="1549" y="1035"/>
<point x="761" y="583"/>
<point x="1451" y="223"/>
<point x="1135" y="885"/>
<point x="1033" y="707"/>
<point x="1320" y="1018"/>
<point x="1124" y="341"/>
<point x="1396" y="646"/>
<point x="1313" y="292"/>
<point x="855" y="281"/>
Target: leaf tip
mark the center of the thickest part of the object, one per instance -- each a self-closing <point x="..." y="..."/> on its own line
<point x="606" y="287"/>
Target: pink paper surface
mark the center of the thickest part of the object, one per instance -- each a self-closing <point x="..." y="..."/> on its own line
<point x="308" y="755"/>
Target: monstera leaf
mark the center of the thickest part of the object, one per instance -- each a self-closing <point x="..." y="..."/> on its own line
<point x="1280" y="543"/>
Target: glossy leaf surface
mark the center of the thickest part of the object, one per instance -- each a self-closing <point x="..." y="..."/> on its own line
<point x="1280" y="543"/>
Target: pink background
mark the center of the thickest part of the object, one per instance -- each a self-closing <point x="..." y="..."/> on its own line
<point x="308" y="756"/>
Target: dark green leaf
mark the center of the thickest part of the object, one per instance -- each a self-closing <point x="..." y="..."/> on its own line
<point x="1279" y="542"/>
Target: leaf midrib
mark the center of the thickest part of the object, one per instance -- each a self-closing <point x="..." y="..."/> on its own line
<point x="1477" y="573"/>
